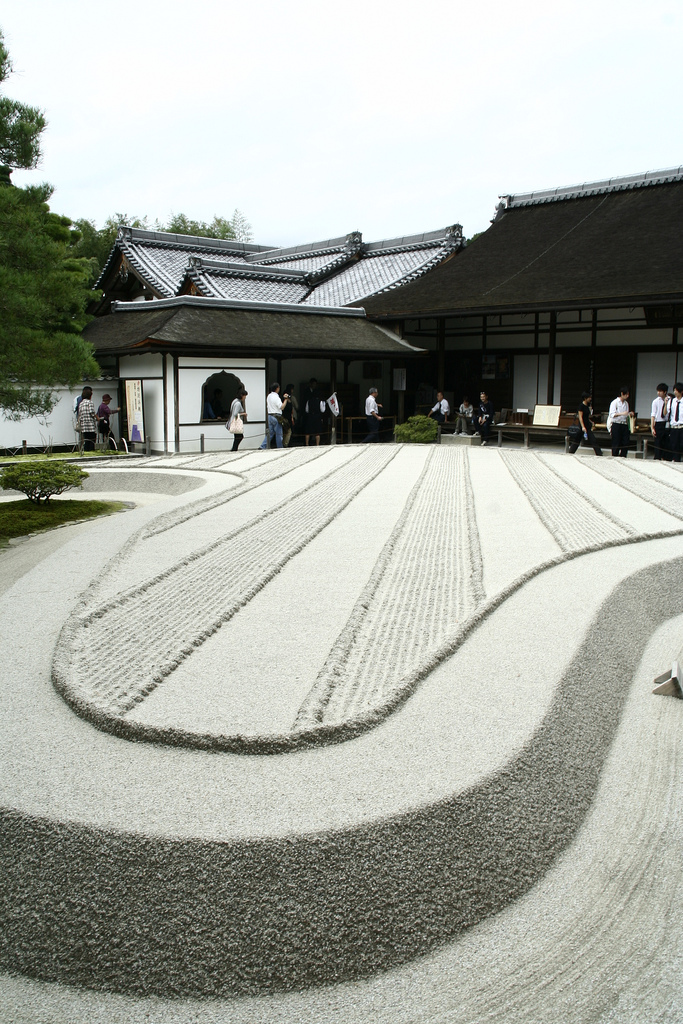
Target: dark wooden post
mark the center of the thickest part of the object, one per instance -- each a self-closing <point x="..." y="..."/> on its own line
<point x="441" y="354"/>
<point x="164" y="363"/>
<point x="594" y="345"/>
<point x="333" y="388"/>
<point x="176" y="411"/>
<point x="551" y="358"/>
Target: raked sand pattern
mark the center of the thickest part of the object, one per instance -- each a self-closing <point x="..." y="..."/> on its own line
<point x="426" y="582"/>
<point x="500" y="842"/>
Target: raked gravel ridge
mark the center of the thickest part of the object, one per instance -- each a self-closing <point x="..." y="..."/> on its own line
<point x="362" y="733"/>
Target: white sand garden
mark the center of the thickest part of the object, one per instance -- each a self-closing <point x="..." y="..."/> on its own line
<point x="347" y="734"/>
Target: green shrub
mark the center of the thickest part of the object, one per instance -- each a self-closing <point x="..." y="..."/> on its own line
<point x="416" y="430"/>
<point x="40" y="482"/>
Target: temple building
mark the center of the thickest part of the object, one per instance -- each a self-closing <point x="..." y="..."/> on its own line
<point x="569" y="289"/>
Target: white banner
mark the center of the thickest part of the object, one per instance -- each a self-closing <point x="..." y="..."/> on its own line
<point x="333" y="403"/>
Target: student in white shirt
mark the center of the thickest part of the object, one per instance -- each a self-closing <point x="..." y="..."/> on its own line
<point x="274" y="407"/>
<point x="675" y="435"/>
<point x="619" y="416"/>
<point x="659" y="420"/>
<point x="373" y="417"/>
<point x="441" y="410"/>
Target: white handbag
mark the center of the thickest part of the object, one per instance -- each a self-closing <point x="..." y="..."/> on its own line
<point x="236" y="426"/>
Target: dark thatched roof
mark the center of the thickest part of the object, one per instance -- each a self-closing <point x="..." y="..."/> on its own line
<point x="623" y="247"/>
<point x="192" y="324"/>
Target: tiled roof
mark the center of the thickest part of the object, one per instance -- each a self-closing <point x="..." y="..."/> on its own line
<point x="593" y="188"/>
<point x="160" y="258"/>
<point x="330" y="273"/>
<point x="621" y="246"/>
<point x="188" y="324"/>
<point x="375" y="273"/>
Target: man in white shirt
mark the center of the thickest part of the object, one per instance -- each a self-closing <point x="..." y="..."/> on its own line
<point x="676" y="423"/>
<point x="619" y="416"/>
<point x="372" y="415"/>
<point x="441" y="410"/>
<point x="659" y="420"/>
<point x="274" y="407"/>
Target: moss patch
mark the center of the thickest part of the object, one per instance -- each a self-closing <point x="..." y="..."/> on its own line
<point x="19" y="518"/>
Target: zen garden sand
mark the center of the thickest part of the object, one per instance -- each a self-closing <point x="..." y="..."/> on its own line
<point x="354" y="734"/>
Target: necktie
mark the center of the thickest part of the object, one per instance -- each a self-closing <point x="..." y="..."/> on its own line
<point x="678" y="405"/>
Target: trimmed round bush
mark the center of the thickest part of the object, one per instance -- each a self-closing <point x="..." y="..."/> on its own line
<point x="40" y="482"/>
<point x="416" y="430"/>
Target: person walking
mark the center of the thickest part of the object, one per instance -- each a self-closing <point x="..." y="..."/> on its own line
<point x="237" y="411"/>
<point x="584" y="414"/>
<point x="372" y="416"/>
<point x="87" y="420"/>
<point x="675" y="435"/>
<point x="441" y="410"/>
<point x="659" y="420"/>
<point x="274" y="406"/>
<point x="618" y="422"/>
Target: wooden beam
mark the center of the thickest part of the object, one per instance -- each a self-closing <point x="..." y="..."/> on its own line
<point x="552" y="338"/>
<point x="441" y="354"/>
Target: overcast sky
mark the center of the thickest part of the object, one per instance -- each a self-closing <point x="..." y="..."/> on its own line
<point x="316" y="119"/>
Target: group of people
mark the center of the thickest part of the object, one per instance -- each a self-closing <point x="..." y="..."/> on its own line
<point x="90" y="422"/>
<point x="284" y="412"/>
<point x="475" y="421"/>
<point x="666" y="423"/>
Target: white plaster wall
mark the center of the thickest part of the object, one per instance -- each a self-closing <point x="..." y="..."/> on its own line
<point x="149" y="364"/>
<point x="653" y="368"/>
<point x="530" y="383"/>
<point x="191" y="381"/>
<point x="57" y="429"/>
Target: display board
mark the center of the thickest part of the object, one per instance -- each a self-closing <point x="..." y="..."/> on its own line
<point x="547" y="415"/>
<point x="134" y="410"/>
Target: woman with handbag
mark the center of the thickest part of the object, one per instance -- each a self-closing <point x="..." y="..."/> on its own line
<point x="235" y="421"/>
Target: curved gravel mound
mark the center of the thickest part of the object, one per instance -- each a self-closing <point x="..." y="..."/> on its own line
<point x="139" y="480"/>
<point x="144" y="914"/>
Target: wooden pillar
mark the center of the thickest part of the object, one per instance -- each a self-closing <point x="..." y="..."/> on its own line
<point x="552" y="337"/>
<point x="176" y="411"/>
<point x="441" y="354"/>
<point x="333" y="388"/>
<point x="164" y="363"/>
<point x="594" y="345"/>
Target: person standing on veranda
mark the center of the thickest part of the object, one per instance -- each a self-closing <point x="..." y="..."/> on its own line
<point x="618" y="418"/>
<point x="373" y="417"/>
<point x="675" y="435"/>
<point x="659" y="420"/>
